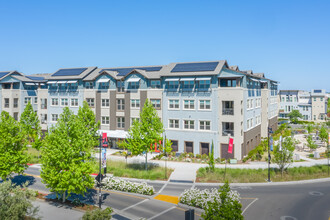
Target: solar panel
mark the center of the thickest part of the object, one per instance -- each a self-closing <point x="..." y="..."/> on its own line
<point x="35" y="78"/>
<point x="125" y="71"/>
<point x="195" y="67"/>
<point x="2" y="74"/>
<point x="69" y="72"/>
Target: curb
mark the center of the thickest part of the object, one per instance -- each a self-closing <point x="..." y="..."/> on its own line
<point x="181" y="205"/>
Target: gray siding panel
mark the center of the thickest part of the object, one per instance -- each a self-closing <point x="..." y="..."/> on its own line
<point x="127" y="110"/>
<point x="113" y="110"/>
<point x="98" y="106"/>
<point x="143" y="98"/>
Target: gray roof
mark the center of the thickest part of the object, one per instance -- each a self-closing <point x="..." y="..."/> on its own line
<point x="81" y="76"/>
<point x="234" y="67"/>
<point x="9" y="73"/>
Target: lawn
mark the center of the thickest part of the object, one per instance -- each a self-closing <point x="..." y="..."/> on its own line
<point x="260" y="175"/>
<point x="120" y="169"/>
<point x="34" y="155"/>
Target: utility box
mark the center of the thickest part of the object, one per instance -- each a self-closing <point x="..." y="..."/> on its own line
<point x="189" y="214"/>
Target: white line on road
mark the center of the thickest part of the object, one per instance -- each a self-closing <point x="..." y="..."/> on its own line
<point x="161" y="213"/>
<point x="161" y="189"/>
<point x="134" y="205"/>
<point x="249" y="205"/>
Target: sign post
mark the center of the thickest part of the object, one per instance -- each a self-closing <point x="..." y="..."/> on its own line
<point x="230" y="151"/>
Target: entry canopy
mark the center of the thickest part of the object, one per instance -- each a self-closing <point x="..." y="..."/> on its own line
<point x="103" y="80"/>
<point x="133" y="80"/>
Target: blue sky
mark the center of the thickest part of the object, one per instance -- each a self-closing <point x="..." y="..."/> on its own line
<point x="287" y="40"/>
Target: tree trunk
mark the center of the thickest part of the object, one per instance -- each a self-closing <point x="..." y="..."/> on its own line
<point x="63" y="197"/>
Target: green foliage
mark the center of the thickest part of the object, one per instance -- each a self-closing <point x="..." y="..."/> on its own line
<point x="30" y="125"/>
<point x="309" y="128"/>
<point x="283" y="157"/>
<point x="294" y="116"/>
<point x="324" y="135"/>
<point x="258" y="152"/>
<point x="310" y="143"/>
<point x="13" y="158"/>
<point x="66" y="163"/>
<point x="15" y="203"/>
<point x="98" y="214"/>
<point x="168" y="147"/>
<point x="227" y="208"/>
<point x="211" y="161"/>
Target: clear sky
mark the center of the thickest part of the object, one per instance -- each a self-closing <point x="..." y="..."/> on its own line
<point x="287" y="40"/>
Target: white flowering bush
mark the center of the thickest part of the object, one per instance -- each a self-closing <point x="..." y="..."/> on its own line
<point x="128" y="186"/>
<point x="202" y="198"/>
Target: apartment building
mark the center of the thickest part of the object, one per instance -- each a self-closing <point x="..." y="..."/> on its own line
<point x="199" y="103"/>
<point x="312" y="105"/>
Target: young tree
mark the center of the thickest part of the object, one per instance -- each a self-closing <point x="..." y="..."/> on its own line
<point x="31" y="126"/>
<point x="294" y="116"/>
<point x="211" y="159"/>
<point x="15" y="203"/>
<point x="310" y="143"/>
<point x="144" y="133"/>
<point x="283" y="156"/>
<point x="66" y="156"/>
<point x="309" y="128"/>
<point x="229" y="206"/>
<point x="324" y="135"/>
<point x="13" y="158"/>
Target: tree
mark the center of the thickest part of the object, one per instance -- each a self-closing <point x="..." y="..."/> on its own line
<point x="211" y="158"/>
<point x="66" y="156"/>
<point x="324" y="135"/>
<point x="13" y="158"/>
<point x="309" y="128"/>
<point x="283" y="155"/>
<point x="228" y="207"/>
<point x="310" y="143"/>
<point x="98" y="214"/>
<point x="144" y="133"/>
<point x="15" y="203"/>
<point x="294" y="115"/>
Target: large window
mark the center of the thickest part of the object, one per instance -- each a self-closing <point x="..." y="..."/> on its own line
<point x="135" y="103"/>
<point x="15" y="102"/>
<point x="54" y="117"/>
<point x="227" y="128"/>
<point x="104" y="85"/>
<point x="188" y="85"/>
<point x="189" y="146"/>
<point x="43" y="118"/>
<point x="155" y="103"/>
<point x="27" y="100"/>
<point x="43" y="103"/>
<point x="105" y="120"/>
<point x="205" y="125"/>
<point x="205" y="148"/>
<point x="204" y="104"/>
<point x="90" y="102"/>
<point x="120" y="86"/>
<point x="173" y="123"/>
<point x="173" y="85"/>
<point x="227" y="82"/>
<point x="228" y="107"/>
<point x="133" y="85"/>
<point x="105" y="103"/>
<point x="6" y="103"/>
<point x="155" y="84"/>
<point x="64" y="102"/>
<point x="74" y="102"/>
<point x="173" y="104"/>
<point x="120" y="122"/>
<point x="175" y="145"/>
<point x="121" y="104"/>
<point x="189" y="104"/>
<point x="189" y="124"/>
<point x="54" y="101"/>
<point x="204" y="84"/>
<point x="89" y="85"/>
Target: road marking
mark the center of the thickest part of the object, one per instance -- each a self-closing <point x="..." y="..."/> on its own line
<point x="134" y="205"/>
<point x="247" y="198"/>
<point x="161" y="189"/>
<point x="249" y="205"/>
<point x="166" y="198"/>
<point x="161" y="213"/>
<point x="32" y="175"/>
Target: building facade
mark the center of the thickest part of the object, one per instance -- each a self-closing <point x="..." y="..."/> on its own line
<point x="200" y="103"/>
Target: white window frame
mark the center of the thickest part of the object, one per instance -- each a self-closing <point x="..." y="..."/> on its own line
<point x="91" y="99"/>
<point x="76" y="101"/>
<point x="205" y="125"/>
<point x="67" y="101"/>
<point x="36" y="100"/>
<point x="189" y="125"/>
<point x="105" y="120"/>
<point x="121" y="122"/>
<point x="204" y="109"/>
<point x="53" y="117"/>
<point x="174" y="123"/>
<point x="135" y="103"/>
<point x="25" y="100"/>
<point x="177" y="102"/>
<point x="189" y="104"/>
<point x="155" y="103"/>
<point x="51" y="102"/>
<point x="105" y="103"/>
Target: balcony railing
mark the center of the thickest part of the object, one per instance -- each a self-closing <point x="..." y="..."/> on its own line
<point x="43" y="106"/>
<point x="228" y="111"/>
<point x="227" y="132"/>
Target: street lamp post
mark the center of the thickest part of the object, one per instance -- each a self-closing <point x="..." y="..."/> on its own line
<point x="102" y="142"/>
<point x="269" y="132"/>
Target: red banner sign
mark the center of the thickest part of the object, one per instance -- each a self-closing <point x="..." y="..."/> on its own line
<point x="230" y="145"/>
<point x="104" y="139"/>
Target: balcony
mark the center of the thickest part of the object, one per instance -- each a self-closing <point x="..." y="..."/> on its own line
<point x="227" y="111"/>
<point x="228" y="132"/>
<point x="43" y="106"/>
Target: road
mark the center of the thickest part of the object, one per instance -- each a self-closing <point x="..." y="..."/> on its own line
<point x="260" y="201"/>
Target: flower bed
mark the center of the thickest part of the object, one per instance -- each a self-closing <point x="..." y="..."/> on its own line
<point x="127" y="186"/>
<point x="200" y="198"/>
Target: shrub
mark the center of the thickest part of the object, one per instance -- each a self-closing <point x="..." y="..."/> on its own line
<point x="128" y="186"/>
<point x="191" y="155"/>
<point x="98" y="214"/>
<point x="198" y="156"/>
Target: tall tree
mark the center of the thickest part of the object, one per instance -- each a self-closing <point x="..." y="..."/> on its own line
<point x="283" y="156"/>
<point x="31" y="126"/>
<point x="13" y="158"/>
<point x="294" y="116"/>
<point x="324" y="135"/>
<point x="66" y="163"/>
<point x="144" y="133"/>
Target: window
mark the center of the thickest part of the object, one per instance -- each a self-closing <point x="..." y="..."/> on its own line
<point x="189" y="146"/>
<point x="35" y="100"/>
<point x="133" y="85"/>
<point x="205" y="125"/>
<point x="188" y="85"/>
<point x="43" y="118"/>
<point x="314" y="117"/>
<point x="173" y="85"/>
<point x="64" y="102"/>
<point x="204" y="104"/>
<point x="54" y="101"/>
<point x="189" y="124"/>
<point x="105" y="102"/>
<point x="27" y="100"/>
<point x="73" y="86"/>
<point x="105" y="120"/>
<point x="227" y="128"/>
<point x="227" y="82"/>
<point x="175" y="145"/>
<point x="155" y="84"/>
<point x="189" y="104"/>
<point x="228" y="107"/>
<point x="120" y="86"/>
<point x="135" y="103"/>
<point x="104" y="85"/>
<point x="314" y="99"/>
<point x="90" y="102"/>
<point x="54" y="117"/>
<point x="121" y="104"/>
<point x="89" y="85"/>
<point x="321" y="99"/>
<point x="15" y="102"/>
<point x="204" y="148"/>
<point x="283" y="99"/>
<point x="173" y="104"/>
<point x="6" y="103"/>
<point x="43" y="103"/>
<point x="134" y="119"/>
<point x="173" y="123"/>
<point x="120" y="122"/>
<point x="155" y="103"/>
<point x="204" y="84"/>
<point x="16" y="116"/>
<point x="74" y="102"/>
